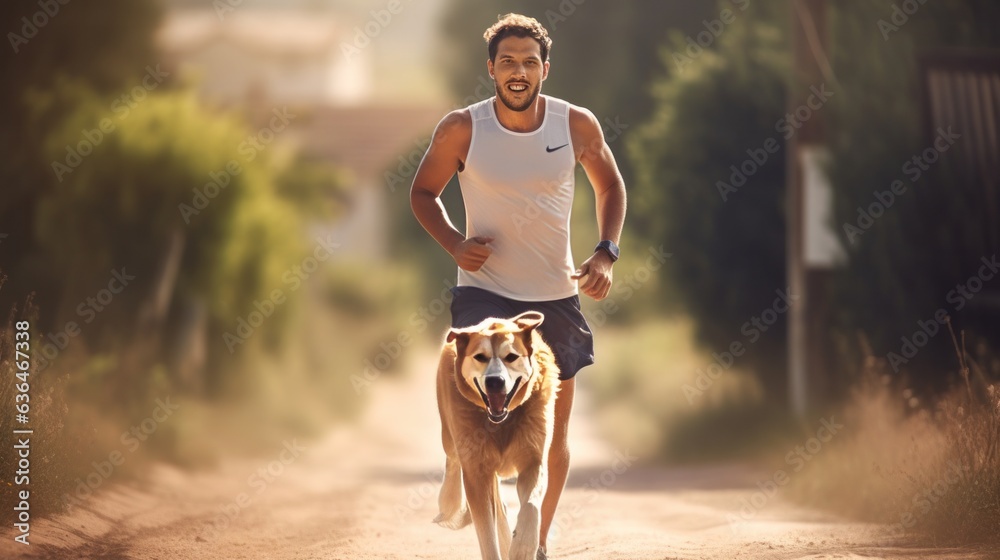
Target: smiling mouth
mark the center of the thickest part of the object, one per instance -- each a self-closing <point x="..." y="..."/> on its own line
<point x="496" y="403"/>
<point x="518" y="87"/>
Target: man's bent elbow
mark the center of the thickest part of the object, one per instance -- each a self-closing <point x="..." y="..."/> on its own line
<point x="417" y="195"/>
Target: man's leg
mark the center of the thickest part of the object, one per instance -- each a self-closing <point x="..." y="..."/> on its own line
<point x="558" y="457"/>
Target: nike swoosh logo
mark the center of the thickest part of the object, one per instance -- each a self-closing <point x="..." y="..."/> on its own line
<point x="550" y="150"/>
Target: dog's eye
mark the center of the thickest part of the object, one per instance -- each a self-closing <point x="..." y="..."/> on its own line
<point x="511" y="357"/>
<point x="481" y="358"/>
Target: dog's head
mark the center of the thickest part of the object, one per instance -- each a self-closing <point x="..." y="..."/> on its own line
<point x="495" y="362"/>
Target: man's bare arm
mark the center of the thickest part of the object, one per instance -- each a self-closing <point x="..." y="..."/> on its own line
<point x="609" y="189"/>
<point x="445" y="156"/>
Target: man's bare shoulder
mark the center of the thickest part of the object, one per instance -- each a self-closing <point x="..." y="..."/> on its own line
<point x="451" y="141"/>
<point x="582" y="118"/>
<point x="585" y="130"/>
<point x="456" y="124"/>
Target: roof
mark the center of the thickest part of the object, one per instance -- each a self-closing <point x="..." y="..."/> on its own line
<point x="961" y="89"/>
<point x="279" y="32"/>
<point x="961" y="92"/>
<point x="369" y="139"/>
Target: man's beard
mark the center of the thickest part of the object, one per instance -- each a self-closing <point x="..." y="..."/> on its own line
<point x="513" y="105"/>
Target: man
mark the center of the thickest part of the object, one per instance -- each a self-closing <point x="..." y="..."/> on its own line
<point x="515" y="155"/>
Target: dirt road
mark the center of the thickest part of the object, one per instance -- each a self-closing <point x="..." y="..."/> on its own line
<point x="369" y="492"/>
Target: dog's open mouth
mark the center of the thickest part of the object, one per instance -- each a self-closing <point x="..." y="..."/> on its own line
<point x="496" y="403"/>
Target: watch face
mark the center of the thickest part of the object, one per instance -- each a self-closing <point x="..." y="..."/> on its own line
<point x="610" y="247"/>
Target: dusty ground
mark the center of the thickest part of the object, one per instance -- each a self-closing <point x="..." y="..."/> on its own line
<point x="369" y="492"/>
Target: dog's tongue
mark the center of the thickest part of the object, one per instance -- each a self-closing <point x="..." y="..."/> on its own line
<point x="496" y="402"/>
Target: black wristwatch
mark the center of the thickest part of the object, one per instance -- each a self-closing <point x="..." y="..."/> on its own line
<point x="610" y="248"/>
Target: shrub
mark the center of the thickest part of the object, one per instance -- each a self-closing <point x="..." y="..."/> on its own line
<point x="928" y="468"/>
<point x="728" y="246"/>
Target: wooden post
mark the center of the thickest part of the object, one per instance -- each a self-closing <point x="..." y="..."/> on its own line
<point x="808" y="317"/>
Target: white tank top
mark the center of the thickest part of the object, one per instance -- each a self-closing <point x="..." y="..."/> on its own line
<point x="518" y="188"/>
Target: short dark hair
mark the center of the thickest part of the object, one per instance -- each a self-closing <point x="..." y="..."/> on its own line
<point x="517" y="25"/>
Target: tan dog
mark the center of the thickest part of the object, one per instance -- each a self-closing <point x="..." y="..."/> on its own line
<point x="496" y="390"/>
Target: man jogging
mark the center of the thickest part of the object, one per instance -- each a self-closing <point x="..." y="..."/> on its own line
<point x="515" y="155"/>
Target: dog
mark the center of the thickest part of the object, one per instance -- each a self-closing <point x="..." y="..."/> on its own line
<point x="496" y="391"/>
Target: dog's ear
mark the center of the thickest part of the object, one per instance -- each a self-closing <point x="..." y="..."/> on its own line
<point x="528" y="320"/>
<point x="461" y="339"/>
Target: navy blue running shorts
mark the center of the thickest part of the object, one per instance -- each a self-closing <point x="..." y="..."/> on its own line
<point x="565" y="329"/>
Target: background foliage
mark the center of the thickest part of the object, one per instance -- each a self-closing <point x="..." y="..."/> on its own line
<point x="901" y="270"/>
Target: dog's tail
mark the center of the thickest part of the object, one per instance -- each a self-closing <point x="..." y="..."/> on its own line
<point x="503" y="527"/>
<point x="454" y="507"/>
<point x="459" y="519"/>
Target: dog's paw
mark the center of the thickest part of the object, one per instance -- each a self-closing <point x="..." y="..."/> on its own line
<point x="523" y="549"/>
<point x="457" y="521"/>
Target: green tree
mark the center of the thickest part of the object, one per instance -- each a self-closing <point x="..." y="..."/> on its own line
<point x="728" y="245"/>
<point x="170" y="172"/>
<point x="105" y="51"/>
<point x="611" y="77"/>
<point x="604" y="54"/>
<point x="730" y="253"/>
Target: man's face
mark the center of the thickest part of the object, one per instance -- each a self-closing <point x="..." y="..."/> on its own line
<point x="518" y="72"/>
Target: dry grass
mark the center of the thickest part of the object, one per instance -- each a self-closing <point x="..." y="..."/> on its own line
<point x="59" y="450"/>
<point x="639" y="384"/>
<point x="297" y="390"/>
<point x="931" y="470"/>
<point x="927" y="467"/>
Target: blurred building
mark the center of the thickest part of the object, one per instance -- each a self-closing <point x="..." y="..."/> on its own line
<point x="300" y="63"/>
<point x="256" y="55"/>
<point x="257" y="60"/>
<point x="960" y="88"/>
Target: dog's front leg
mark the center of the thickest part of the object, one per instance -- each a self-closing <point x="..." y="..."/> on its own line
<point x="531" y="484"/>
<point x="479" y="491"/>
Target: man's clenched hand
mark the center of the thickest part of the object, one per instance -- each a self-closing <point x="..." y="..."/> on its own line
<point x="471" y="253"/>
<point x="596" y="275"/>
